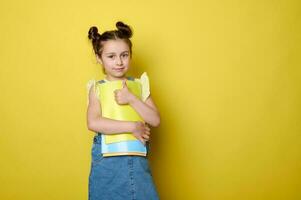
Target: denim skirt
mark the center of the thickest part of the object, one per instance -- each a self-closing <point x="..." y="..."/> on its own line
<point x="119" y="177"/>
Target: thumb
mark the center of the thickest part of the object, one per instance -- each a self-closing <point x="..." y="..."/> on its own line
<point x="124" y="84"/>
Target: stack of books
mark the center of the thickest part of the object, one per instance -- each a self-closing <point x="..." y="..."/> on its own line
<point x="123" y="143"/>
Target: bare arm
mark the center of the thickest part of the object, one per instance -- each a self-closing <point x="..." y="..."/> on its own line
<point x="97" y="123"/>
<point x="147" y="110"/>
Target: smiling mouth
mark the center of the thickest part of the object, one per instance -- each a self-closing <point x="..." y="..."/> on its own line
<point x="118" y="69"/>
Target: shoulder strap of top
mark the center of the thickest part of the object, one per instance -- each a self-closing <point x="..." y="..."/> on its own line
<point x="101" y="81"/>
<point x="130" y="78"/>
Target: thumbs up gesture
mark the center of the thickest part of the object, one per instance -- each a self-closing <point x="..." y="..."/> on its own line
<point x="124" y="95"/>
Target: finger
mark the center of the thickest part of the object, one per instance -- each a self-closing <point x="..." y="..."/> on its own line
<point x="146" y="137"/>
<point x="117" y="95"/>
<point x="142" y="141"/>
<point x="117" y="100"/>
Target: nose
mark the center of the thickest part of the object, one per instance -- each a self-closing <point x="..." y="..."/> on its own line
<point x="119" y="61"/>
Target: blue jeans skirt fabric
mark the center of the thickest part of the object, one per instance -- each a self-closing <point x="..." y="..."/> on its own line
<point x="120" y="177"/>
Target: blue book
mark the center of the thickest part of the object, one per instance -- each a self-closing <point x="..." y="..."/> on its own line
<point x="131" y="147"/>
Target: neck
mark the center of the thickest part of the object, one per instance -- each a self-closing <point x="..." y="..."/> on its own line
<point x="111" y="78"/>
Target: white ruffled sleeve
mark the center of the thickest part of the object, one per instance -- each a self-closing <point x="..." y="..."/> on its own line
<point x="144" y="80"/>
<point x="91" y="83"/>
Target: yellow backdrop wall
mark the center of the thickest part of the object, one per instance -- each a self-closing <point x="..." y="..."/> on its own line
<point x="225" y="76"/>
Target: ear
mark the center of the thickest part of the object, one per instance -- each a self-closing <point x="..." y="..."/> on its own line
<point x="98" y="59"/>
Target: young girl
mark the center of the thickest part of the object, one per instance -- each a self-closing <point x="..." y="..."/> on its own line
<point x="124" y="177"/>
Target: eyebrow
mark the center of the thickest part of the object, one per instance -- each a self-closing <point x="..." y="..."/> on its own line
<point x="114" y="52"/>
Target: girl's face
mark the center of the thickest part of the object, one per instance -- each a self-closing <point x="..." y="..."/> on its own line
<point x="115" y="59"/>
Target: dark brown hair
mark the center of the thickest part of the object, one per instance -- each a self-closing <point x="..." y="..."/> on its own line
<point x="123" y="32"/>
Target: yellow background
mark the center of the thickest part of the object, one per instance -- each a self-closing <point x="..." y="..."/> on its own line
<point x="224" y="74"/>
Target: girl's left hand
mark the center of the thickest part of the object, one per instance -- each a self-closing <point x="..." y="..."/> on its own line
<point x="124" y="95"/>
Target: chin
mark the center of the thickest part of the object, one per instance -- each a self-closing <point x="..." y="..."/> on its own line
<point x="119" y="75"/>
<point x="122" y="73"/>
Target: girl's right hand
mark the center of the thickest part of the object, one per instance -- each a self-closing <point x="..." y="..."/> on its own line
<point x="141" y="131"/>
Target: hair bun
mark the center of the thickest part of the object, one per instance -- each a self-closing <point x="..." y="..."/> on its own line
<point x="93" y="33"/>
<point x="124" y="29"/>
